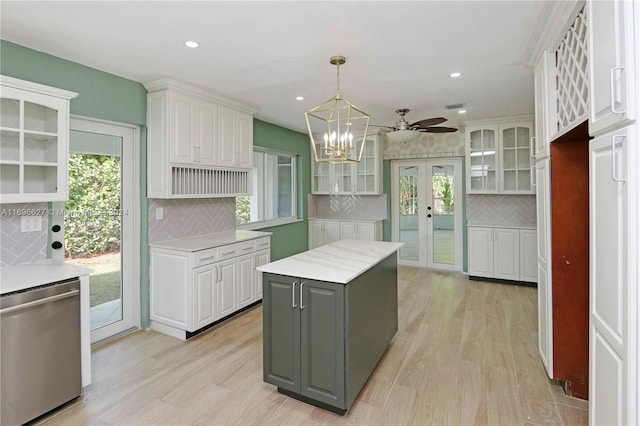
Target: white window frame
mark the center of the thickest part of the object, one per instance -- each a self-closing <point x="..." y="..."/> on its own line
<point x="294" y="191"/>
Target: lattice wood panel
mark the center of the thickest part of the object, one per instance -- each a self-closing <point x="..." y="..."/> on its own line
<point x="572" y="76"/>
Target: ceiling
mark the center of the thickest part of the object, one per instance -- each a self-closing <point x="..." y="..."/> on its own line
<point x="399" y="54"/>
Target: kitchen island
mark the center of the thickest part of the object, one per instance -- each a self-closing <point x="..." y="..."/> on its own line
<point x="328" y="317"/>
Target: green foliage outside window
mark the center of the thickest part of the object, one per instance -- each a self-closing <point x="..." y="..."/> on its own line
<point x="92" y="214"/>
<point x="243" y="215"/>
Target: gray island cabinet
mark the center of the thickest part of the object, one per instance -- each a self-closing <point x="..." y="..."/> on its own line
<point x="328" y="317"/>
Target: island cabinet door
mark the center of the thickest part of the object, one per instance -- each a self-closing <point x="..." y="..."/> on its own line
<point x="322" y="341"/>
<point x="281" y="331"/>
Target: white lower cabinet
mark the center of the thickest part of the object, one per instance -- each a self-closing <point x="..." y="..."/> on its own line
<point x="204" y="291"/>
<point x="191" y="290"/>
<point x="323" y="232"/>
<point x="262" y="258"/>
<point x="503" y="253"/>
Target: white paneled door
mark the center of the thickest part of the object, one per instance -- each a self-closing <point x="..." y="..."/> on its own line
<point x="427" y="214"/>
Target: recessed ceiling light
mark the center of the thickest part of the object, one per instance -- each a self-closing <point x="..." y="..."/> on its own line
<point x="455" y="74"/>
<point x="462" y="111"/>
<point x="299" y="98"/>
<point x="191" y="44"/>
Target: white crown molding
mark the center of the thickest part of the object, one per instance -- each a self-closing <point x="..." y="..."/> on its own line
<point x="499" y="120"/>
<point x="557" y="17"/>
<point x="170" y="83"/>
<point x="36" y="87"/>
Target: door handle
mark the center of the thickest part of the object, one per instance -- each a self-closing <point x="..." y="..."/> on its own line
<point x="614" y="172"/>
<point x="613" y="97"/>
<point x="532" y="145"/>
<point x="39" y="302"/>
<point x="293" y="295"/>
<point x="301" y="305"/>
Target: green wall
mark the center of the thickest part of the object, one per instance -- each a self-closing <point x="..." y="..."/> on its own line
<point x="291" y="238"/>
<point x="100" y="95"/>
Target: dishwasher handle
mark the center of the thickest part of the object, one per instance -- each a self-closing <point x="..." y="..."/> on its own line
<point x="39" y="302"/>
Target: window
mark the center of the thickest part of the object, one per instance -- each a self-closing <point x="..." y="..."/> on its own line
<point x="273" y="198"/>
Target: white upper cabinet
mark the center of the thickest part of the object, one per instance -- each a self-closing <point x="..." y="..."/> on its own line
<point x="515" y="158"/>
<point x="611" y="65"/>
<point x="199" y="144"/>
<point x="235" y="136"/>
<point x="363" y="178"/>
<point x="482" y="162"/>
<point x="545" y="107"/>
<point x="499" y="157"/>
<point x="34" y="142"/>
<point x="192" y="127"/>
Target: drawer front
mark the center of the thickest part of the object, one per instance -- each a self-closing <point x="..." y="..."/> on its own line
<point x="246" y="247"/>
<point x="263" y="243"/>
<point x="204" y="257"/>
<point x="227" y="252"/>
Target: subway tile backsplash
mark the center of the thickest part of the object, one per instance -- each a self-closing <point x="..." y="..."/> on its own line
<point x="364" y="207"/>
<point x="190" y="217"/>
<point x="502" y="209"/>
<point x="17" y="246"/>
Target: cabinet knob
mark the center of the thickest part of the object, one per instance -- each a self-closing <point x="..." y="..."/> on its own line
<point x="429" y="215"/>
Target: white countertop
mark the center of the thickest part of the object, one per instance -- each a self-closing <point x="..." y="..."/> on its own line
<point x="203" y="242"/>
<point x="27" y="275"/>
<point x="501" y="225"/>
<point x="339" y="262"/>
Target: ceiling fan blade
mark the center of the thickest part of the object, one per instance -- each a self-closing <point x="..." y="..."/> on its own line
<point x="386" y="127"/>
<point x="439" y="130"/>
<point x="429" y="122"/>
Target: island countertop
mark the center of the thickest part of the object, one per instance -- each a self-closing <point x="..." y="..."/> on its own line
<point x="338" y="262"/>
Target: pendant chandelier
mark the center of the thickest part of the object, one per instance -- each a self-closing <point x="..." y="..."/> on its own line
<point x="337" y="128"/>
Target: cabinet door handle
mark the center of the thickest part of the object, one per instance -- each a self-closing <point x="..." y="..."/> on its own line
<point x="301" y="305"/>
<point x="534" y="180"/>
<point x="202" y="259"/>
<point x="613" y="87"/>
<point x="218" y="274"/>
<point x="614" y="172"/>
<point x="227" y="253"/>
<point x="195" y="153"/>
<point x="293" y="295"/>
<point x="532" y="146"/>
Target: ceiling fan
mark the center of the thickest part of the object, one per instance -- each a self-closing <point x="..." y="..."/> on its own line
<point x="404" y="132"/>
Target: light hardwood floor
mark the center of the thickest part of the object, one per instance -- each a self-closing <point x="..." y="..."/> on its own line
<point x="465" y="353"/>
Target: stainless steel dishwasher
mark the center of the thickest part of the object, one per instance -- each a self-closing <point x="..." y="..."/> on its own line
<point x="40" y="338"/>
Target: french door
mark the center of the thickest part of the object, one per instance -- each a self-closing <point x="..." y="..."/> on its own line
<point x="427" y="212"/>
<point x="101" y="221"/>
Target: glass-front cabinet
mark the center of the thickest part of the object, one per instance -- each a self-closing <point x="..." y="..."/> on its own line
<point x="482" y="154"/>
<point x="34" y="140"/>
<point x="362" y="178"/>
<point x="517" y="162"/>
<point x="499" y="157"/>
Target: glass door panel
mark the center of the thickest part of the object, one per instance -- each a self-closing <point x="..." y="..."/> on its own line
<point x="408" y="213"/>
<point x="100" y="226"/>
<point x="442" y="210"/>
<point x="93" y="225"/>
